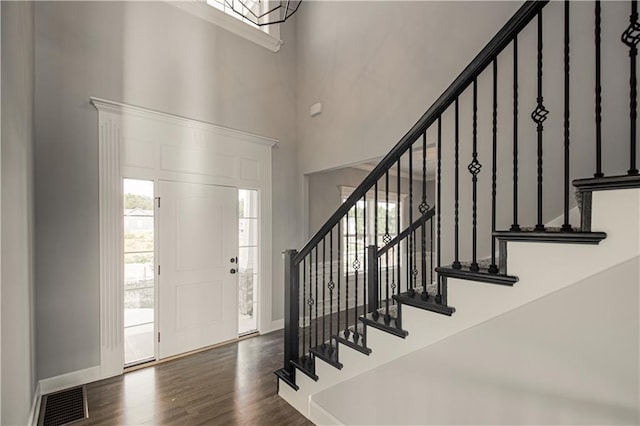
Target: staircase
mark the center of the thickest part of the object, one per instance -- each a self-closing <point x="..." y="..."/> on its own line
<point x="368" y="289"/>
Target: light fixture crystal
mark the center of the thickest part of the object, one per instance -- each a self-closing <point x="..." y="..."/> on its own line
<point x="264" y="12"/>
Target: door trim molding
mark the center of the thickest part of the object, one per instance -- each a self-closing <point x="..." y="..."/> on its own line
<point x="114" y="120"/>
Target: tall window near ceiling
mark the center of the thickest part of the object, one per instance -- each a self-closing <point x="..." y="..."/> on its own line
<point x="139" y="268"/>
<point x="248" y="260"/>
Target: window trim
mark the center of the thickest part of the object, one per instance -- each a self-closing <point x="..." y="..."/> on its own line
<point x="201" y="9"/>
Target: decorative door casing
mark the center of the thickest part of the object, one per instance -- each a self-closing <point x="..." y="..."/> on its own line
<point x="138" y="143"/>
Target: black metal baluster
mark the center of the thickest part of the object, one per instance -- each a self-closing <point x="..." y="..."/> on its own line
<point x="493" y="268"/>
<point x="316" y="298"/>
<point x="424" y="207"/>
<point x="438" y="203"/>
<point x="410" y="285"/>
<point x="474" y="168"/>
<point x="414" y="270"/>
<point x="331" y="286"/>
<point x="566" y="226"/>
<point x="339" y="277"/>
<point x="423" y="276"/>
<point x="431" y="251"/>
<point x="539" y="115"/>
<point x="324" y="283"/>
<point x="598" y="172"/>
<point x="456" y="191"/>
<point x="310" y="301"/>
<point x="364" y="257"/>
<point x="356" y="267"/>
<point x="304" y="307"/>
<point x="386" y="239"/>
<point x="631" y="37"/>
<point x="398" y="230"/>
<point x="346" y="278"/>
<point x="515" y="226"/>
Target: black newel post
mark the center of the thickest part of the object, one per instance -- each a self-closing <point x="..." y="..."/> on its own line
<point x="291" y="317"/>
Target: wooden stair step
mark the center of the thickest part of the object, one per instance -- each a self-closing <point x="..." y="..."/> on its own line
<point x="429" y="305"/>
<point x="328" y="352"/>
<point x="480" y="276"/>
<point x="349" y="340"/>
<point x="390" y="324"/>
<point x="552" y="235"/>
<point x="306" y="364"/>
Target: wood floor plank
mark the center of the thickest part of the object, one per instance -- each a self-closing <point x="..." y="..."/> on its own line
<point x="229" y="385"/>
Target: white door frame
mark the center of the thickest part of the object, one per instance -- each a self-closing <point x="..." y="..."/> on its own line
<point x="222" y="156"/>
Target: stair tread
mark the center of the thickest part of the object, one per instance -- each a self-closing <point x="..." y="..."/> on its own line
<point x="328" y="352"/>
<point x="608" y="182"/>
<point x="357" y="344"/>
<point x="390" y="325"/>
<point x="306" y="364"/>
<point x="552" y="235"/>
<point x="482" y="275"/>
<point x="429" y="304"/>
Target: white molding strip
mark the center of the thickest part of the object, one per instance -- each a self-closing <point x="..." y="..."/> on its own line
<point x="35" y="407"/>
<point x="69" y="380"/>
<point x="104" y="105"/>
<point x="111" y="243"/>
<point x="202" y="10"/>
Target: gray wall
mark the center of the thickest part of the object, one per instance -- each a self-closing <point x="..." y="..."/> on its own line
<point x="571" y="357"/>
<point x="152" y="55"/>
<point x="17" y="291"/>
<point x="378" y="66"/>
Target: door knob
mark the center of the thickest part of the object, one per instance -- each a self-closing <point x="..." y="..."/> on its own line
<point x="233" y="271"/>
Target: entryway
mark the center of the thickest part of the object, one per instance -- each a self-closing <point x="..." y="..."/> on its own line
<point x="213" y="187"/>
<point x="199" y="292"/>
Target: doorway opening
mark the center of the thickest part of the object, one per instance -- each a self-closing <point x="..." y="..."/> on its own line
<point x="139" y="272"/>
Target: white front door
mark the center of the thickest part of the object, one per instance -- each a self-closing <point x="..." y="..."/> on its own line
<point x="198" y="238"/>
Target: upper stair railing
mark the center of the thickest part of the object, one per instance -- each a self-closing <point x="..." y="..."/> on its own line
<point x="380" y="245"/>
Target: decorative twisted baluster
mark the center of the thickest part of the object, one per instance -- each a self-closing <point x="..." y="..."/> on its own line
<point x="339" y="277"/>
<point x="598" y="172"/>
<point x="515" y="226"/>
<point x="398" y="226"/>
<point x="456" y="245"/>
<point x="316" y="296"/>
<point x="493" y="268"/>
<point x="539" y="115"/>
<point x="566" y="226"/>
<point x="474" y="168"/>
<point x="438" y="203"/>
<point x="631" y="37"/>
<point x="386" y="239"/>
<point x="331" y="285"/>
<point x="324" y="283"/>
<point x="356" y="267"/>
<point x="346" y="279"/>
<point x="304" y="307"/>
<point x="411" y="249"/>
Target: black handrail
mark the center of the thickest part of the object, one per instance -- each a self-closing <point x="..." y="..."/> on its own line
<point x="522" y="17"/>
<point x="408" y="230"/>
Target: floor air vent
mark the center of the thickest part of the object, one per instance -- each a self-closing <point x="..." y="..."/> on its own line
<point x="64" y="407"/>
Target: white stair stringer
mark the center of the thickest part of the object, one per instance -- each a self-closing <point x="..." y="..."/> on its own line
<point x="542" y="268"/>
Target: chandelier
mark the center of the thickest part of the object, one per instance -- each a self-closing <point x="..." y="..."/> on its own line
<point x="264" y="12"/>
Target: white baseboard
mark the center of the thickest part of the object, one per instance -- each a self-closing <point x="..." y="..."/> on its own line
<point x="75" y="378"/>
<point x="35" y="407"/>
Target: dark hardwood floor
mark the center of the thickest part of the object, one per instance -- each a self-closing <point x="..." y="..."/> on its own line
<point x="229" y="385"/>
